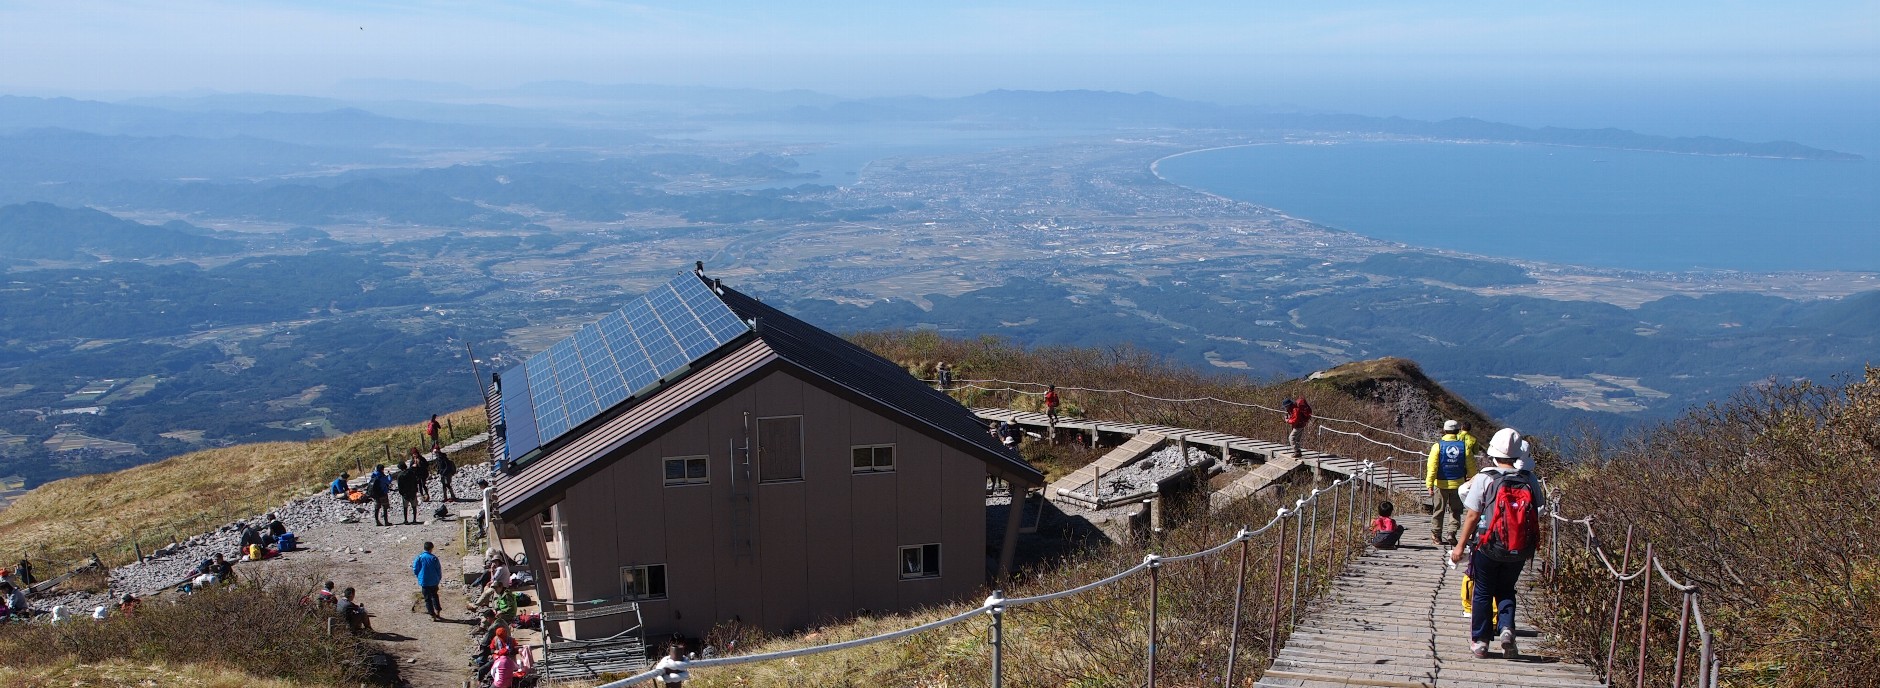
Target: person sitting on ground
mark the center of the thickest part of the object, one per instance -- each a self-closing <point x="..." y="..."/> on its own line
<point x="326" y="596"/>
<point x="353" y="613"/>
<point x="222" y="569"/>
<point x="275" y="529"/>
<point x="128" y="604"/>
<point x="502" y="658"/>
<point x="495" y="578"/>
<point x="341" y="485"/>
<point x="17" y="606"/>
<point x="671" y="667"/>
<point x="1386" y="532"/>
<point x="250" y="536"/>
<point x="506" y="606"/>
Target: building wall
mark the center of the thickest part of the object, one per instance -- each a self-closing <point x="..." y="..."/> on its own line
<point x="780" y="555"/>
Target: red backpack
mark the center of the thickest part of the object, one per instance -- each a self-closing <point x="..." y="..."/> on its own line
<point x="1513" y="521"/>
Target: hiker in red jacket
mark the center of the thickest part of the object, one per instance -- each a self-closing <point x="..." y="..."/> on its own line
<point x="1298" y="415"/>
<point x="1051" y="404"/>
<point x="431" y="429"/>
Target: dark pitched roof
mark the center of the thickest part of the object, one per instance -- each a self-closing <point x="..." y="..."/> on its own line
<point x="781" y="339"/>
<point x="879" y="380"/>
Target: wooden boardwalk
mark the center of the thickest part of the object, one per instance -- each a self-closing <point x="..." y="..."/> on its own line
<point x="1275" y="459"/>
<point x="1394" y="619"/>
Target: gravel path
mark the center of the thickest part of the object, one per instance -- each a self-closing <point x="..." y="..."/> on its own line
<point x="338" y="542"/>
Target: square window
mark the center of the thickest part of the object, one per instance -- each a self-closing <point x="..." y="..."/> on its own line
<point x="643" y="582"/>
<point x="920" y="561"/>
<point x="872" y="458"/>
<point x="688" y="470"/>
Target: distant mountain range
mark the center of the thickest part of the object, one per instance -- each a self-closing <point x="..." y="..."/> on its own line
<point x="561" y="114"/>
<point x="50" y="232"/>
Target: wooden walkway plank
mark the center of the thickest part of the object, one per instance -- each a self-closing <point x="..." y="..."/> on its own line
<point x="1394" y="618"/>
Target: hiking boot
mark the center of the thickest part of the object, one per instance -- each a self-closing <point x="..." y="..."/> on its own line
<point x="1479" y="649"/>
<point x="1508" y="650"/>
<point x="1437" y="538"/>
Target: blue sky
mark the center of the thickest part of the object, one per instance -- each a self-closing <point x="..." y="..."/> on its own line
<point x="1410" y="58"/>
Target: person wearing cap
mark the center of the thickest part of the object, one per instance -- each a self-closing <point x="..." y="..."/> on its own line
<point x="1493" y="611"/>
<point x="1451" y="463"/>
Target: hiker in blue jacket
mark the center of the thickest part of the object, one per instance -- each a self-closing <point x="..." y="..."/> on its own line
<point x="430" y="573"/>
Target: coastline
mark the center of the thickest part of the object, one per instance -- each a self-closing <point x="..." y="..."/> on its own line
<point x="1543" y="268"/>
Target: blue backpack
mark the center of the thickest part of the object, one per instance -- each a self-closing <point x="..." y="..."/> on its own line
<point x="1452" y="459"/>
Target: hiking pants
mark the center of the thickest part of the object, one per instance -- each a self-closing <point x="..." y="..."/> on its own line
<point x="381" y="509"/>
<point x="1295" y="437"/>
<point x="432" y="605"/>
<point x="1448" y="505"/>
<point x="1493" y="606"/>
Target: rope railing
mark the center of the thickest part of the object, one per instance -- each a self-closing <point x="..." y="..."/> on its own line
<point x="1345" y="495"/>
<point x="961" y="383"/>
<point x="1690" y="607"/>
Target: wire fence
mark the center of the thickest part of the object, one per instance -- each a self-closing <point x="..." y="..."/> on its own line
<point x="1293" y="536"/>
<point x="1708" y="666"/>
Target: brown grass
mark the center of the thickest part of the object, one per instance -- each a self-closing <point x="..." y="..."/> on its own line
<point x="216" y="637"/>
<point x="1770" y="504"/>
<point x="60" y="523"/>
<point x="1132" y="369"/>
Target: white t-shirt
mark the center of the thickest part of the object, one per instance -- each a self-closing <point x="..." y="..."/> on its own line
<point x="1475" y="492"/>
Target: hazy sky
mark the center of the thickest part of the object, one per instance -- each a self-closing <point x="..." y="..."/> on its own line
<point x="1383" y="57"/>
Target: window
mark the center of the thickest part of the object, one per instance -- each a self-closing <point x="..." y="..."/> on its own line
<point x="872" y="458"/>
<point x="688" y="470"/>
<point x="643" y="582"/>
<point x="920" y="561"/>
<point x="780" y="449"/>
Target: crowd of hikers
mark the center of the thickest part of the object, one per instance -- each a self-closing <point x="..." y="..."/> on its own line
<point x="1494" y="498"/>
<point x="410" y="479"/>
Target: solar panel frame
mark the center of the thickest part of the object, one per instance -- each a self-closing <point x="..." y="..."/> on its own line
<point x="616" y="357"/>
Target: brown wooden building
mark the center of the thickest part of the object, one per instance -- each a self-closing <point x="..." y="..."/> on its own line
<point x="716" y="459"/>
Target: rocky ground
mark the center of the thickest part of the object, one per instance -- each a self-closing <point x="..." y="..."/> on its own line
<point x="339" y="542"/>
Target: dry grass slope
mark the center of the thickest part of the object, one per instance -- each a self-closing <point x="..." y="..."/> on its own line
<point x="62" y="522"/>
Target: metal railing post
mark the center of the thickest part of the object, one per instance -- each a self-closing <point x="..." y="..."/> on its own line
<point x="1618" y="601"/>
<point x="1299" y="524"/>
<point x="998" y="638"/>
<point x="1240" y="592"/>
<point x="1279" y="577"/>
<point x="1644" y="614"/>
<point x="1155" y="566"/>
<point x="1312" y="543"/>
<point x="1331" y="553"/>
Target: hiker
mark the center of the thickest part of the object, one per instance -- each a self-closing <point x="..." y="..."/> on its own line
<point x="502" y="658"/>
<point x="326" y="596"/>
<point x="495" y="578"/>
<point x="222" y="569"/>
<point x="671" y="667"/>
<point x="430" y="573"/>
<point x="1451" y="463"/>
<point x="1051" y="404"/>
<point x="250" y="537"/>
<point x="1298" y="416"/>
<point x="422" y="464"/>
<point x="17" y="606"/>
<point x="128" y="605"/>
<point x="507" y="604"/>
<point x="946" y="376"/>
<point x="431" y="429"/>
<point x="1386" y="532"/>
<point x="339" y="487"/>
<point x="24" y="573"/>
<point x="407" y="481"/>
<point x="276" y="529"/>
<point x="446" y="469"/>
<point x="1009" y="434"/>
<point x="353" y="613"/>
<point x="379" y="488"/>
<point x="1503" y="503"/>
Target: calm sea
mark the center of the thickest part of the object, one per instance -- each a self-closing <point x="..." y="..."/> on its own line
<point x="1595" y="207"/>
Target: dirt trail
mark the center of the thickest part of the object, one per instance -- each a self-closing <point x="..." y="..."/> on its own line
<point x="431" y="654"/>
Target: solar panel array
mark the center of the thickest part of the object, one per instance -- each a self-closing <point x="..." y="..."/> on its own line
<point x="627" y="351"/>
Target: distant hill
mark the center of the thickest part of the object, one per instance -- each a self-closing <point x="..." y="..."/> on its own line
<point x="1461" y="272"/>
<point x="47" y="231"/>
